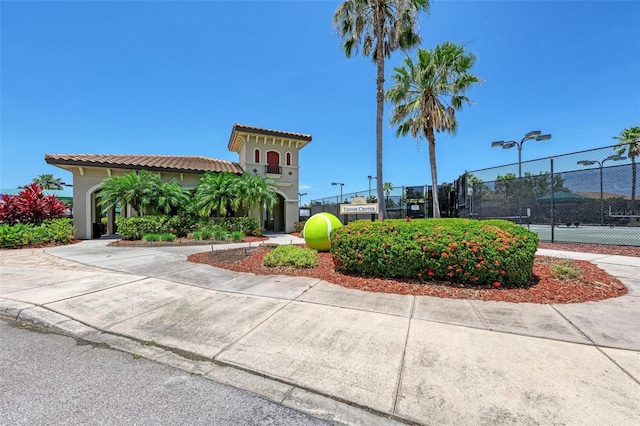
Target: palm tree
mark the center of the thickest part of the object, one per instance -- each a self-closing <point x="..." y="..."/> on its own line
<point x="136" y="189"/>
<point x="214" y="194"/>
<point x="47" y="181"/>
<point x="387" y="187"/>
<point x="382" y="27"/>
<point x="170" y="197"/>
<point x="629" y="143"/>
<point x="251" y="190"/>
<point x="427" y="93"/>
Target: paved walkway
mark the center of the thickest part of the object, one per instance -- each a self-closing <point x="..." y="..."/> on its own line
<point x="345" y="355"/>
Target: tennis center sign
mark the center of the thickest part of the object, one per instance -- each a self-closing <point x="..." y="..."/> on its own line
<point x="359" y="206"/>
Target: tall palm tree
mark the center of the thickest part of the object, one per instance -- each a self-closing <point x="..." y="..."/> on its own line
<point x="170" y="197"/>
<point x="47" y="181"/>
<point x="629" y="143"/>
<point x="136" y="189"/>
<point x="382" y="27"/>
<point x="214" y="194"/>
<point x="427" y="93"/>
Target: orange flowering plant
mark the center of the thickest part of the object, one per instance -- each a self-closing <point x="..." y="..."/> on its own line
<point x="458" y="250"/>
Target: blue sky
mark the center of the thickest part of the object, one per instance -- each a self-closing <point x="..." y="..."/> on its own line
<point x="173" y="77"/>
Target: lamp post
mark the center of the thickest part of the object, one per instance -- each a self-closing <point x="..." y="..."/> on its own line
<point x="616" y="157"/>
<point x="340" y="199"/>
<point x="371" y="177"/>
<point x="300" y="194"/>
<point x="532" y="135"/>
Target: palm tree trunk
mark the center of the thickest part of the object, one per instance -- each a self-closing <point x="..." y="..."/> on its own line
<point x="382" y="214"/>
<point x="434" y="172"/>
<point x="633" y="178"/>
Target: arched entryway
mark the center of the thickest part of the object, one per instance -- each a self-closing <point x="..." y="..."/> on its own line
<point x="94" y="214"/>
<point x="275" y="218"/>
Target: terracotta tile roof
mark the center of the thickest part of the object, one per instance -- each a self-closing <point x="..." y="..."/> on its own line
<point x="175" y="163"/>
<point x="237" y="128"/>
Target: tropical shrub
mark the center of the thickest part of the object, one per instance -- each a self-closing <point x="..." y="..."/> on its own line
<point x="289" y="255"/>
<point x="494" y="252"/>
<point x="246" y="225"/>
<point x="14" y="236"/>
<point x="58" y="231"/>
<point x="30" y="206"/>
<point x="299" y="226"/>
<point x="134" y="228"/>
<point x="237" y="236"/>
<point x="220" y="234"/>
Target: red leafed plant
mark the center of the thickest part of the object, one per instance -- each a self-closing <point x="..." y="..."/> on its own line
<point x="30" y="206"/>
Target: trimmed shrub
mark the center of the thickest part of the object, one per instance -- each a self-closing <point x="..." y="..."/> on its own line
<point x="134" y="228"/>
<point x="288" y="255"/>
<point x="458" y="250"/>
<point x="246" y="225"/>
<point x="181" y="224"/>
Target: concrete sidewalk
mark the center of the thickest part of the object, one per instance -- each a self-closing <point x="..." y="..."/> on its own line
<point x="346" y="355"/>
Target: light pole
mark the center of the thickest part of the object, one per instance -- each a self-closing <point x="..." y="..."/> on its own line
<point x="370" y="177"/>
<point x="340" y="199"/>
<point x="616" y="157"/>
<point x="532" y="135"/>
<point x="300" y="194"/>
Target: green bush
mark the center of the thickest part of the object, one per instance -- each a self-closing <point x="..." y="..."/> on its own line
<point x="458" y="250"/>
<point x="167" y="237"/>
<point x="289" y="255"/>
<point x="134" y="228"/>
<point x="58" y="231"/>
<point x="14" y="236"/>
<point x="246" y="225"/>
<point x="237" y="236"/>
<point x="299" y="226"/>
<point x="181" y="224"/>
<point x="220" y="234"/>
<point x="151" y="237"/>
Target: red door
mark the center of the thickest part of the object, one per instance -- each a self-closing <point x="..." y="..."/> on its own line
<point x="273" y="162"/>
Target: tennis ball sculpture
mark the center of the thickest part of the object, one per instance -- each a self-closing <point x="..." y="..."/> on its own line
<point x="317" y="230"/>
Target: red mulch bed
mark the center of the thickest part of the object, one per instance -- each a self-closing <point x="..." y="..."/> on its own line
<point x="543" y="288"/>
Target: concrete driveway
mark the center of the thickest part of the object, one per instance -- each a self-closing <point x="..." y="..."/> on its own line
<point x="345" y="355"/>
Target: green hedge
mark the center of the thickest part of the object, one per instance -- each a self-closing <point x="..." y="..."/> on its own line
<point x="246" y="225"/>
<point x="134" y="228"/>
<point x="57" y="231"/>
<point x="458" y="250"/>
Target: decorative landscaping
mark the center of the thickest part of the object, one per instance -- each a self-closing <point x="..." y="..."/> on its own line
<point x="455" y="258"/>
<point x="544" y="287"/>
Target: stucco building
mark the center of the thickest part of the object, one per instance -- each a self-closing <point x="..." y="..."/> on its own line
<point x="263" y="152"/>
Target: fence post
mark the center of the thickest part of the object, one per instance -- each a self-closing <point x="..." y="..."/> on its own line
<point x="553" y="217"/>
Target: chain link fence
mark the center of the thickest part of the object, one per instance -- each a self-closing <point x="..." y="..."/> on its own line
<point x="400" y="201"/>
<point x="582" y="197"/>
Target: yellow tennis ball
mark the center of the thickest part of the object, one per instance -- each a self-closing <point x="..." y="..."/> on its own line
<point x="318" y="229"/>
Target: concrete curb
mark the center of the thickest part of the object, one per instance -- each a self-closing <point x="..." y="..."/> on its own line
<point x="318" y="405"/>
